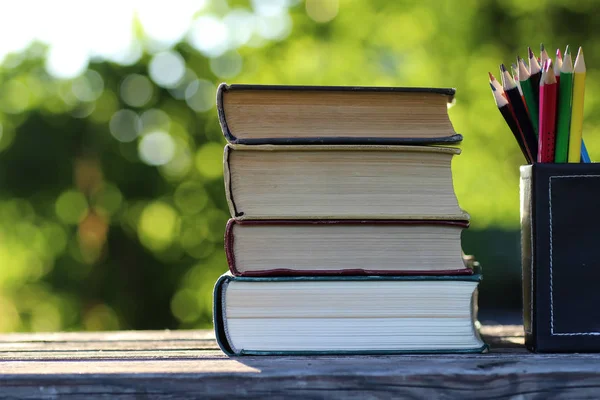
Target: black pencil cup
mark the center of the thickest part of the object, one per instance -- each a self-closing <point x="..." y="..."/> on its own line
<point x="560" y="255"/>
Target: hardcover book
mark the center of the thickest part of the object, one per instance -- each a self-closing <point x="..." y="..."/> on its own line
<point x="346" y="315"/>
<point x="341" y="182"/>
<point x="345" y="247"/>
<point x="265" y="114"/>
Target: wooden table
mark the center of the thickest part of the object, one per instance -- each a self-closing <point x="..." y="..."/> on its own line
<point x="188" y="364"/>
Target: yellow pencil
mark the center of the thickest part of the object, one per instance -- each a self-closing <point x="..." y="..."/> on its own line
<point x="577" y="109"/>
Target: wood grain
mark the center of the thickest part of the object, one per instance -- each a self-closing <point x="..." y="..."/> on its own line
<point x="187" y="364"/>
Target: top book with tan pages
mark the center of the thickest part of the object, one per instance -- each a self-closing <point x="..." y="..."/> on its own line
<point x="269" y="114"/>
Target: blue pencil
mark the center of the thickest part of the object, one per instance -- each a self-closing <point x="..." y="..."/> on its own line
<point x="585" y="157"/>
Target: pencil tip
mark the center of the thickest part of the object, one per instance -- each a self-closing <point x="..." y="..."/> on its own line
<point x="541" y="46"/>
<point x="558" y="53"/>
<point x="502" y="68"/>
<point x="580" y="51"/>
<point x="491" y="76"/>
<point x="530" y="52"/>
<point x="567" y="51"/>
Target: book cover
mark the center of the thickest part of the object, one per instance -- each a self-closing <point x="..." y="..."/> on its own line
<point x="324" y="133"/>
<point x="231" y="259"/>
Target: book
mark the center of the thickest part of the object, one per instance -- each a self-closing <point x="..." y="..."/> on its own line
<point x="344" y="247"/>
<point x="346" y="315"/>
<point x="341" y="182"/>
<point x="271" y="114"/>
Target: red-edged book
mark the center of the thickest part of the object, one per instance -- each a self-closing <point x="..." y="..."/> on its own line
<point x="345" y="247"/>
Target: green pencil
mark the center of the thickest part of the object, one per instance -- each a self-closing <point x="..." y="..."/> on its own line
<point x="563" y="124"/>
<point x="527" y="89"/>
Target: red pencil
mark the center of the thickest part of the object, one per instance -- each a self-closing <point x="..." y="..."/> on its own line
<point x="547" y="125"/>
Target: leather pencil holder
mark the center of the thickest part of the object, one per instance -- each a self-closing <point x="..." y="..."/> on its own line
<point x="560" y="250"/>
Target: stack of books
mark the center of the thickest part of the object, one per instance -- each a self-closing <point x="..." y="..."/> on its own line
<point x="345" y="230"/>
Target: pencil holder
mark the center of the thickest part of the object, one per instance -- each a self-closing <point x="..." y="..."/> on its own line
<point x="560" y="250"/>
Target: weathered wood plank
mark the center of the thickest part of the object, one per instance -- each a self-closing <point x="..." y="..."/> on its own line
<point x="208" y="344"/>
<point x="186" y="364"/>
<point x="121" y="336"/>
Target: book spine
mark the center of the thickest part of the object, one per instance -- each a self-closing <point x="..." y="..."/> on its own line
<point x="219" y="315"/>
<point x="223" y="87"/>
<point x="233" y="211"/>
<point x="229" y="239"/>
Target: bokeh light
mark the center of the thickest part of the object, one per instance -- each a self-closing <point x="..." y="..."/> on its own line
<point x="71" y="207"/>
<point x="125" y="125"/>
<point x="226" y="66"/>
<point x="158" y="225"/>
<point x="136" y="90"/>
<point x="322" y="10"/>
<point x="209" y="159"/>
<point x="155" y="118"/>
<point x="241" y="25"/>
<point x="89" y="86"/>
<point x="209" y="35"/>
<point x="167" y="69"/>
<point x="156" y="148"/>
<point x="200" y="95"/>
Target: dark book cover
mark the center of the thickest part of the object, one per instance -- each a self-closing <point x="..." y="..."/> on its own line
<point x="559" y="239"/>
<point x="221" y="336"/>
<point x="230" y="238"/>
<point x="231" y="138"/>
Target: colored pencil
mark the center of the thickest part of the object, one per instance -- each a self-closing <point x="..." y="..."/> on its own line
<point x="516" y="102"/>
<point x="585" y="157"/>
<point x="504" y="108"/>
<point x="535" y="73"/>
<point x="546" y="141"/>
<point x="543" y="55"/>
<point x="563" y="122"/>
<point x="576" y="128"/>
<point x="532" y="106"/>
<point x="515" y="74"/>
<point x="557" y="66"/>
<point x="496" y="84"/>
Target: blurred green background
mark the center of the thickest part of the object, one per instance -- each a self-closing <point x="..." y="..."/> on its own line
<point x="112" y="207"/>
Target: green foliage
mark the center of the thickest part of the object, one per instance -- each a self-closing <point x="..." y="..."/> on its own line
<point x="112" y="207"/>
